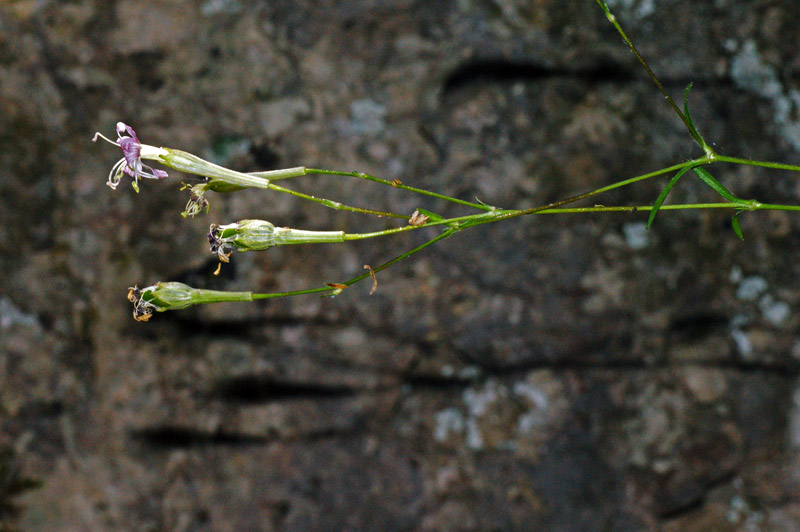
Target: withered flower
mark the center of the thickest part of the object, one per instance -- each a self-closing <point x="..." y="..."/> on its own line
<point x="418" y="219"/>
<point x="173" y="296"/>
<point x="255" y="235"/>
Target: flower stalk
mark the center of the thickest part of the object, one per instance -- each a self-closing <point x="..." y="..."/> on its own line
<point x="216" y="178"/>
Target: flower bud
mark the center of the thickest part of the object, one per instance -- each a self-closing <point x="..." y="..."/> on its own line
<point x="253" y="235"/>
<point x="173" y="296"/>
<point x="221" y="179"/>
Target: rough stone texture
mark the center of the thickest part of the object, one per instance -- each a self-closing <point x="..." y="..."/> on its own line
<point x="549" y="373"/>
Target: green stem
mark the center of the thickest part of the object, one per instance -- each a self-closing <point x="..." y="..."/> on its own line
<point x="225" y="177"/>
<point x="494" y="214"/>
<point x="271" y="295"/>
<point x="202" y="296"/>
<point x="750" y="162"/>
<point x="335" y="204"/>
<point x="550" y="208"/>
<point x="692" y="131"/>
<point x="675" y="207"/>
<point x="445" y="234"/>
<point x="368" y="177"/>
<point x="618" y="184"/>
<point x="773" y="207"/>
<point x="397" y="184"/>
<point x="328" y="290"/>
<point x="694" y="162"/>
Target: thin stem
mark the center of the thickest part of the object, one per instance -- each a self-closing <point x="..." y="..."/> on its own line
<point x="550" y="208"/>
<point x="750" y="162"/>
<point x="368" y="177"/>
<point x="445" y="234"/>
<point x="772" y="207"/>
<point x="397" y="184"/>
<point x="674" y="207"/>
<point x="619" y="184"/>
<point x="292" y="293"/>
<point x="203" y="296"/>
<point x="385" y="232"/>
<point x="611" y="18"/>
<point x="332" y="290"/>
<point x="625" y="182"/>
<point x="335" y="204"/>
<point x="225" y="177"/>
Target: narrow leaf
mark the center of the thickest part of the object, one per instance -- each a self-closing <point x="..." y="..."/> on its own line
<point x="663" y="196"/>
<point x="737" y="228"/>
<point x="718" y="187"/>
<point x="686" y="109"/>
<point x="432" y="216"/>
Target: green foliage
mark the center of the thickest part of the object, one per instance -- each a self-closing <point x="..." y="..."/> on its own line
<point x="664" y="193"/>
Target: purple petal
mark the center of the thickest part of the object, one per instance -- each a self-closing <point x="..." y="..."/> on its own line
<point x="122" y="128"/>
<point x="131" y="149"/>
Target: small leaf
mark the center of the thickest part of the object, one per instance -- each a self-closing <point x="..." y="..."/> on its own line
<point x="477" y="199"/>
<point x="686" y="109"/>
<point x="663" y="196"/>
<point x="718" y="187"/>
<point x="432" y="216"/>
<point x="737" y="228"/>
<point x="690" y="123"/>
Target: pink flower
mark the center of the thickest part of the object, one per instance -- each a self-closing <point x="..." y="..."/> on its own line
<point x="131" y="162"/>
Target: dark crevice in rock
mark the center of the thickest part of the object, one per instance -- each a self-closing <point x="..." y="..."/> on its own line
<point x="437" y="382"/>
<point x="186" y="325"/>
<point x="166" y="437"/>
<point x="789" y="371"/>
<point x="504" y="71"/>
<point x="694" y="498"/>
<point x="692" y="502"/>
<point x="13" y="484"/>
<point x="259" y="389"/>
<point x="509" y="71"/>
<point x="698" y="325"/>
<point x="199" y="328"/>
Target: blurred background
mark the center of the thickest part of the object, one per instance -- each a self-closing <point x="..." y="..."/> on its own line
<point x="546" y="373"/>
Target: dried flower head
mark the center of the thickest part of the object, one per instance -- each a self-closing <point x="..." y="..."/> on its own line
<point x="142" y="310"/>
<point x="418" y="219"/>
<point x="173" y="296"/>
<point x="256" y="235"/>
<point x="197" y="199"/>
<point x="218" y="247"/>
<point x="131" y="163"/>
